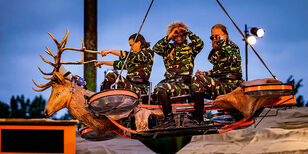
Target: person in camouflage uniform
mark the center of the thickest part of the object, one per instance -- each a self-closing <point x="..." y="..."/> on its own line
<point x="138" y="66"/>
<point x="178" y="58"/>
<point x="225" y="76"/>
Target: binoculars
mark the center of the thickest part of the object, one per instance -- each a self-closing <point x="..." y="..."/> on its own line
<point x="183" y="32"/>
<point x="217" y="37"/>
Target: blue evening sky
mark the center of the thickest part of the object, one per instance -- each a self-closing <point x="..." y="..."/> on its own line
<point x="24" y="26"/>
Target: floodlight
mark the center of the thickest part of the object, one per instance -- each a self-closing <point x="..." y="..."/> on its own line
<point x="259" y="32"/>
<point x="251" y="39"/>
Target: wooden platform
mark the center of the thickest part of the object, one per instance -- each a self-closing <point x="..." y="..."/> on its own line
<point x="39" y="136"/>
<point x="38" y="122"/>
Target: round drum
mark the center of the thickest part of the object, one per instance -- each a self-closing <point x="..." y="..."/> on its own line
<point x="269" y="90"/>
<point x="113" y="103"/>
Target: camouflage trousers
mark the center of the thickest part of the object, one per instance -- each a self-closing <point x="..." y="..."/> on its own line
<point x="123" y="83"/>
<point x="173" y="87"/>
<point x="213" y="87"/>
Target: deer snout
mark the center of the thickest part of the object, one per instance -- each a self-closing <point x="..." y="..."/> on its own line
<point x="46" y="113"/>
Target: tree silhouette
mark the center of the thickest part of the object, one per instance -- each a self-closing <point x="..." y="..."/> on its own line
<point x="300" y="102"/>
<point x="4" y="110"/>
<point x="20" y="107"/>
<point x="36" y="108"/>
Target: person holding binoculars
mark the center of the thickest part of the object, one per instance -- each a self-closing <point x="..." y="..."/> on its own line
<point x="178" y="57"/>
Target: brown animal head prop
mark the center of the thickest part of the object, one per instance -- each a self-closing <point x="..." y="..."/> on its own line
<point x="246" y="104"/>
<point x="66" y="93"/>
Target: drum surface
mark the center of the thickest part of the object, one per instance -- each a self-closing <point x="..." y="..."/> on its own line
<point x="114" y="103"/>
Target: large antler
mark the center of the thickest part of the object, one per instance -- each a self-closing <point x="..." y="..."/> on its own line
<point x="56" y="65"/>
<point x="82" y="49"/>
<point x="57" y="59"/>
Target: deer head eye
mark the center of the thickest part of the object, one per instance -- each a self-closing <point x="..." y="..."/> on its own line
<point x="58" y="93"/>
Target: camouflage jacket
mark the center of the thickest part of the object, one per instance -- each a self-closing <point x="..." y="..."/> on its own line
<point x="138" y="65"/>
<point x="179" y="60"/>
<point x="226" y="59"/>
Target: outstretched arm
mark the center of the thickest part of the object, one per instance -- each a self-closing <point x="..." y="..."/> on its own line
<point x="99" y="63"/>
<point x="144" y="55"/>
<point x="117" y="64"/>
<point x="114" y="52"/>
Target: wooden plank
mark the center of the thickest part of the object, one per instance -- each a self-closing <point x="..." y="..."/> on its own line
<point x="38" y="122"/>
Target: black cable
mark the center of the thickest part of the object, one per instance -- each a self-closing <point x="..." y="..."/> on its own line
<point x="269" y="111"/>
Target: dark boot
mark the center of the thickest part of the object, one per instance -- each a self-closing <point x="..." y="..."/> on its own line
<point x="105" y="85"/>
<point x="198" y="106"/>
<point x="168" y="121"/>
<point x="109" y="80"/>
<point x="167" y="109"/>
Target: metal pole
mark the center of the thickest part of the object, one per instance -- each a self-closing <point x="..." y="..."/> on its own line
<point x="90" y="37"/>
<point x="246" y="52"/>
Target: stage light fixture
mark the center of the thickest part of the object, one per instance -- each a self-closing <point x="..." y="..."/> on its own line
<point x="259" y="32"/>
<point x="251" y="39"/>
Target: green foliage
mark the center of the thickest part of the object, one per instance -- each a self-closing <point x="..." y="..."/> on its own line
<point x="300" y="102"/>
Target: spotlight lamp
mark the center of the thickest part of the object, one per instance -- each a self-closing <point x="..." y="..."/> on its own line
<point x="259" y="32"/>
<point x="251" y="39"/>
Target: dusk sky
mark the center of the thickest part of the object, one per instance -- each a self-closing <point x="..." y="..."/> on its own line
<point x="24" y="26"/>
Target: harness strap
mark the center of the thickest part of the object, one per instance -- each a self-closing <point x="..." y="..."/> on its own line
<point x="67" y="73"/>
<point x="71" y="94"/>
<point x="69" y="100"/>
<point x="122" y="127"/>
<point x="122" y="134"/>
<point x="86" y="131"/>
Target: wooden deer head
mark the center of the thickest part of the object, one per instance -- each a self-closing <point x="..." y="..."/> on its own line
<point x="65" y="93"/>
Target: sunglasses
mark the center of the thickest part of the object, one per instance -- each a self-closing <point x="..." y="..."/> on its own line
<point x="212" y="37"/>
